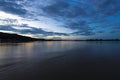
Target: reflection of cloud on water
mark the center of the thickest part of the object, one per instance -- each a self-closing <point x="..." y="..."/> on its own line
<point x="36" y="49"/>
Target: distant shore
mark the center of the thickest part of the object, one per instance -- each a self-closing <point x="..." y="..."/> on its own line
<point x="86" y="40"/>
<point x="7" y="37"/>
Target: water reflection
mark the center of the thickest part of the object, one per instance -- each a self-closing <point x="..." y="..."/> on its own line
<point x="43" y="49"/>
<point x="16" y="51"/>
<point x="32" y="52"/>
<point x="77" y="57"/>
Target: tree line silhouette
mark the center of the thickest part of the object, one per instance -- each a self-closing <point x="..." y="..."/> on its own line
<point x="7" y="37"/>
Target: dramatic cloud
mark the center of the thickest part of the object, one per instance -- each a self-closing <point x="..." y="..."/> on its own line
<point x="64" y="9"/>
<point x="88" y="18"/>
<point x="12" y="7"/>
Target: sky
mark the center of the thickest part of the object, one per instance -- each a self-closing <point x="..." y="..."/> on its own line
<point x="65" y="19"/>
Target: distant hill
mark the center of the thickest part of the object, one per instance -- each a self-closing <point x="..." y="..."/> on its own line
<point x="7" y="37"/>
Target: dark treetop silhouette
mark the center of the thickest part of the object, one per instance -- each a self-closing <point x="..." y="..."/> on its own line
<point x="6" y="37"/>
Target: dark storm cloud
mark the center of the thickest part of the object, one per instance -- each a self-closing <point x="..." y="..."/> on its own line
<point x="12" y="7"/>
